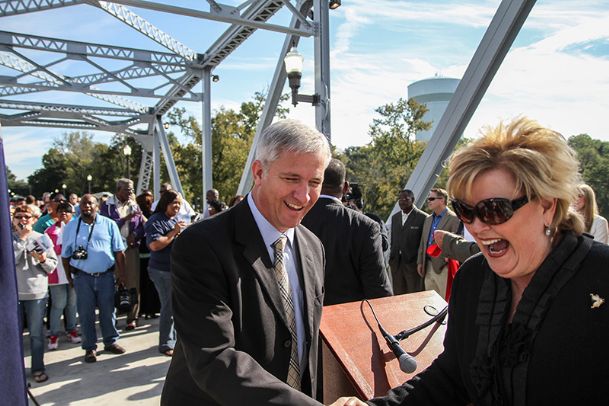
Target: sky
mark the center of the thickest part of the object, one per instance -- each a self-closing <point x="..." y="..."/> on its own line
<point x="557" y="71"/>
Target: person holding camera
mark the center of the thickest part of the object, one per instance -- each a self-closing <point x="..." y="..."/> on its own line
<point x="162" y="229"/>
<point x="34" y="260"/>
<point x="92" y="248"/>
<point x="122" y="208"/>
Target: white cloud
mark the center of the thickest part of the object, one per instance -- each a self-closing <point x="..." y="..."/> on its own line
<point x="380" y="47"/>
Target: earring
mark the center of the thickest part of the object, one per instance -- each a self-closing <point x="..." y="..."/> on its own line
<point x="547" y="231"/>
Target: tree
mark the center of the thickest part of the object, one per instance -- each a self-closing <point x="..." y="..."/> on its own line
<point x="232" y="136"/>
<point x="383" y="166"/>
<point x="17" y="186"/>
<point x="75" y="155"/>
<point x="593" y="156"/>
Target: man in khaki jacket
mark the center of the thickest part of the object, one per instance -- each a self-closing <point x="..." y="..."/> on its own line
<point x="434" y="270"/>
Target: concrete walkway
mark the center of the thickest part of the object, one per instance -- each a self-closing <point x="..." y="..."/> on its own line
<point x="133" y="378"/>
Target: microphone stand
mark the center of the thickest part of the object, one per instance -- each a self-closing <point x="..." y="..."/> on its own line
<point x="407" y="362"/>
<point x="402" y="335"/>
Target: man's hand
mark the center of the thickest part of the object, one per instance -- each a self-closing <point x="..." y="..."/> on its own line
<point x="421" y="270"/>
<point x="438" y="237"/>
<point x="348" y="401"/>
<point x="122" y="280"/>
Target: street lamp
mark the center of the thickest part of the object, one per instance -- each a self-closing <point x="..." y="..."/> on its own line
<point x="63" y="188"/>
<point x="127" y="153"/>
<point x="293" y="67"/>
<point x="89" y="179"/>
<point x="334" y="4"/>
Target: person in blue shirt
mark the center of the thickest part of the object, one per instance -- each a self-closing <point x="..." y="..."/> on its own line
<point x="161" y="230"/>
<point x="92" y="248"/>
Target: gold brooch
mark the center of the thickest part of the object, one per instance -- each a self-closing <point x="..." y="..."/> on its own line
<point x="597" y="301"/>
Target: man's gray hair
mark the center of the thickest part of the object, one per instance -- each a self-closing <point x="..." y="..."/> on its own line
<point x="124" y="182"/>
<point x="290" y="136"/>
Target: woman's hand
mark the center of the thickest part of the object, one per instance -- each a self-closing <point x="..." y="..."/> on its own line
<point x="40" y="256"/>
<point x="180" y="226"/>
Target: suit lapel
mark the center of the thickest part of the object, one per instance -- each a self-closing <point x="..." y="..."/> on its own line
<point x="247" y="234"/>
<point x="308" y="279"/>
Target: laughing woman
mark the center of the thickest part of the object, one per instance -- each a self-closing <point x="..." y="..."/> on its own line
<point x="527" y="317"/>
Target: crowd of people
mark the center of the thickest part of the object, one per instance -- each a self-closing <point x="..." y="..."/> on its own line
<point x="240" y="293"/>
<point x="73" y="255"/>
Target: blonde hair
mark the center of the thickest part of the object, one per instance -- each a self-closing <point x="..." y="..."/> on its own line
<point x="590" y="208"/>
<point x="539" y="159"/>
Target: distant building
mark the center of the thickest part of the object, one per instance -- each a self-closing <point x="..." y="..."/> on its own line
<point x="435" y="93"/>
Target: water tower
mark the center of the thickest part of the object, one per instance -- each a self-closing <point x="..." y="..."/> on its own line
<point x="435" y="93"/>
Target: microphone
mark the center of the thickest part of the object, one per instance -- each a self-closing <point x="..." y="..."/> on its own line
<point x="21" y="226"/>
<point x="407" y="362"/>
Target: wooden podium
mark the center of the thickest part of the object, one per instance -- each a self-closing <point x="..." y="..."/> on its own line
<point x="356" y="358"/>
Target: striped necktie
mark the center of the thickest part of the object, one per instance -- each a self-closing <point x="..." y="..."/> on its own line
<point x="284" y="288"/>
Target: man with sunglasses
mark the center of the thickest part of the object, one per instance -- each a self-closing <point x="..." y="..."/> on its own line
<point x="434" y="270"/>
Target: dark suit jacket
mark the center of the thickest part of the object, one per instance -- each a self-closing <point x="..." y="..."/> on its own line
<point x="449" y="222"/>
<point x="233" y="340"/>
<point x="355" y="266"/>
<point x="405" y="239"/>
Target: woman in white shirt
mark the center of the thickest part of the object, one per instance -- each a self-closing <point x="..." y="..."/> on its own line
<point x="585" y="204"/>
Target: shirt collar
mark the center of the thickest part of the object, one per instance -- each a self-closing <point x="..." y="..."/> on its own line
<point x="269" y="233"/>
<point x="442" y="213"/>
<point x="336" y="199"/>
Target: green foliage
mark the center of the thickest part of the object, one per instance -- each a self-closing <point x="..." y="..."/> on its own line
<point x="17" y="186"/>
<point x="74" y="156"/>
<point x="232" y="136"/>
<point x="594" y="167"/>
<point x="383" y="166"/>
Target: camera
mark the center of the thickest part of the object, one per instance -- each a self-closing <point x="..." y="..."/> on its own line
<point x="80" y="253"/>
<point x="125" y="299"/>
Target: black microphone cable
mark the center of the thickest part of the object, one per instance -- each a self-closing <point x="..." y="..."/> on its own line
<point x="407" y="362"/>
<point x="407" y="333"/>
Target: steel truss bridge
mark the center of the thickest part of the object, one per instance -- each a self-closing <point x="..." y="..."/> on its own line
<point x="182" y="74"/>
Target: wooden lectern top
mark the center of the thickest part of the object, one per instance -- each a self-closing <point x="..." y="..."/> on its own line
<point x="352" y="335"/>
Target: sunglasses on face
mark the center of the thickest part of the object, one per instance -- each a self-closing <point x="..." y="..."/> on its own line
<point x="23" y="217"/>
<point x="431" y="198"/>
<point x="492" y="211"/>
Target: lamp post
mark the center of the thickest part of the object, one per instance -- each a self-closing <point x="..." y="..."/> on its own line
<point x="89" y="179"/>
<point x="334" y="4"/>
<point x="293" y="67"/>
<point x="63" y="189"/>
<point x="127" y="153"/>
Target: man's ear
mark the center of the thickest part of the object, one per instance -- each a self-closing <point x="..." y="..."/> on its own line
<point x="257" y="171"/>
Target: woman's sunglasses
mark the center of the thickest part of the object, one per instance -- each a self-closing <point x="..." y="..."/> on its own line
<point x="490" y="211"/>
<point x="19" y="217"/>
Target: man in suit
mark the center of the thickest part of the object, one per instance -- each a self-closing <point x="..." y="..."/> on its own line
<point x="355" y="267"/>
<point x="434" y="269"/>
<point x="406" y="230"/>
<point x="248" y="285"/>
